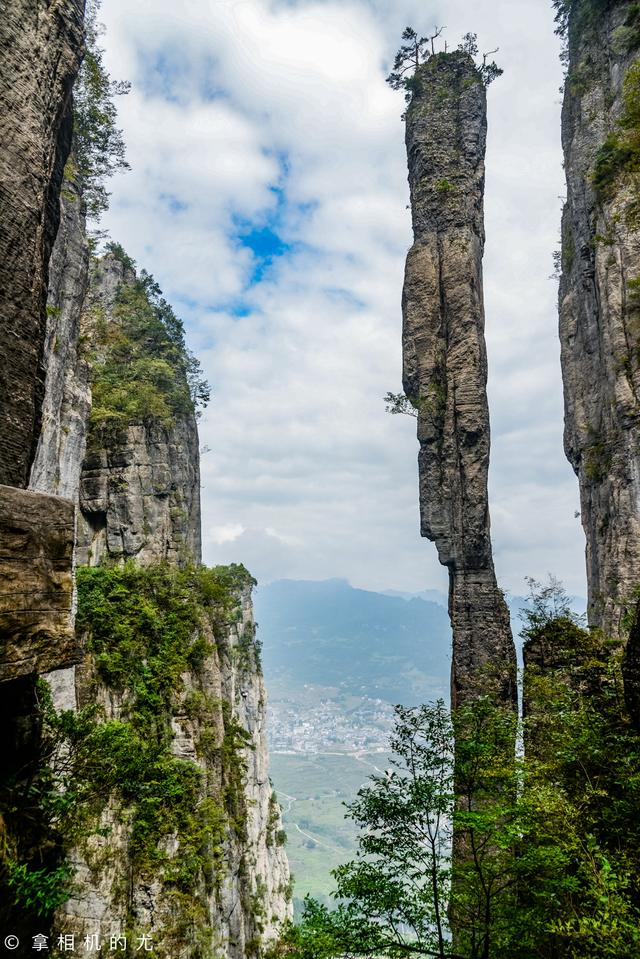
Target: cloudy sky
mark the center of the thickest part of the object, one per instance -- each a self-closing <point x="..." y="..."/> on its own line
<point x="268" y="197"/>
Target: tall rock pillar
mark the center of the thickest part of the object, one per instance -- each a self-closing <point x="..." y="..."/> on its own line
<point x="41" y="44"/>
<point x="445" y="363"/>
<point x="599" y="304"/>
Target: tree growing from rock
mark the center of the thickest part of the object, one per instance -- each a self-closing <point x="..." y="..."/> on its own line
<point x="417" y="50"/>
<point x="98" y="144"/>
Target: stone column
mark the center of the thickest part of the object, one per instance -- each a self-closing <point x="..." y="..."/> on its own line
<point x="445" y="363"/>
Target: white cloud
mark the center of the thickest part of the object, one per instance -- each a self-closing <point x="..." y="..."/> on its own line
<point x="226" y="533"/>
<point x="273" y="112"/>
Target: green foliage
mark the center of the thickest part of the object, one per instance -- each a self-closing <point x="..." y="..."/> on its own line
<point x="583" y="14"/>
<point x="633" y="287"/>
<point x="98" y="146"/>
<point x="397" y="403"/>
<point x="619" y="155"/>
<point x="411" y="54"/>
<point x="597" y="456"/>
<point x="141" y="367"/>
<point x="611" y="159"/>
<point x="145" y="629"/>
<point x="38" y="890"/>
<point x="548" y="843"/>
<point x="434" y="401"/>
<point x="142" y="622"/>
<point x="119" y="252"/>
<point x="417" y="50"/>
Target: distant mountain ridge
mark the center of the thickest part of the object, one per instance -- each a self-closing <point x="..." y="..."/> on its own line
<point x="392" y="645"/>
<point x="429" y="595"/>
<point x="328" y="633"/>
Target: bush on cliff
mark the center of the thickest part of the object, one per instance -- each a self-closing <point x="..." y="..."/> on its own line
<point x="141" y="368"/>
<point x="143" y="631"/>
<point x="98" y="145"/>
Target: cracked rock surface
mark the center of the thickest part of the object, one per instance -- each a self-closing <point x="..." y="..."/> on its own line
<point x="445" y="363"/>
<point x="600" y="318"/>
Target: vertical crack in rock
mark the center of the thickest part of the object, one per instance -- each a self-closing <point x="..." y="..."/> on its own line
<point x="67" y="397"/>
<point x="41" y="43"/>
<point x="599" y="306"/>
<point x="445" y="365"/>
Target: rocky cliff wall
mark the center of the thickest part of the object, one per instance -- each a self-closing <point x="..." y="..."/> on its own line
<point x="213" y="880"/>
<point x="140" y="482"/>
<point x="36" y="599"/>
<point x="445" y="364"/>
<point x="41" y="43"/>
<point x="67" y="397"/>
<point x="206" y="875"/>
<point x="598" y="303"/>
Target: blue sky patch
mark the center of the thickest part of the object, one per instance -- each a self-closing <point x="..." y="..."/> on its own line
<point x="266" y="246"/>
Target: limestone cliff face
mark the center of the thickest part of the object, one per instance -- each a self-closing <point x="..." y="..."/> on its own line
<point x="140" y="482"/>
<point x="445" y="364"/>
<point x="598" y="313"/>
<point x="41" y="44"/>
<point x="182" y="841"/>
<point x="36" y="599"/>
<point x="139" y="499"/>
<point x="67" y="397"/>
<point x="236" y="893"/>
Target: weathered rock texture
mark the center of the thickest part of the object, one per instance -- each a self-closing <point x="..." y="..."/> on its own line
<point x="67" y="398"/>
<point x="140" y="482"/>
<point x="445" y="364"/>
<point x="139" y="496"/>
<point x="599" y="321"/>
<point x="41" y="43"/>
<point x="36" y="559"/>
<point x="233" y="909"/>
<point x="138" y="488"/>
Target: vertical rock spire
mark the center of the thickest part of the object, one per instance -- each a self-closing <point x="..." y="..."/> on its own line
<point x="445" y="364"/>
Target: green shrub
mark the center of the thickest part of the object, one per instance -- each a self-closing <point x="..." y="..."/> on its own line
<point x="38" y="890"/>
<point x="141" y="369"/>
<point x="620" y="153"/>
<point x="144" y="627"/>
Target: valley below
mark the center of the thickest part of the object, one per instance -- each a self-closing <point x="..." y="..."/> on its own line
<point x="336" y="660"/>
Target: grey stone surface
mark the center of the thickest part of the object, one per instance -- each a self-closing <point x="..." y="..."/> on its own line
<point x="40" y="44"/>
<point x="67" y="398"/>
<point x="250" y="903"/>
<point x="140" y="484"/>
<point x="139" y="495"/>
<point x="445" y="364"/>
<point x="599" y="321"/>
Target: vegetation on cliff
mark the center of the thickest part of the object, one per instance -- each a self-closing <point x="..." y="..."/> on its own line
<point x="552" y="870"/>
<point x="619" y="156"/>
<point x="416" y="51"/>
<point x="145" y="630"/>
<point x="141" y="368"/>
<point x="98" y="145"/>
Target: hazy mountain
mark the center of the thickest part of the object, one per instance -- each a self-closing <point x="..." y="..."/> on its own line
<point x="363" y="643"/>
<point x="391" y="645"/>
<point x="430" y="595"/>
